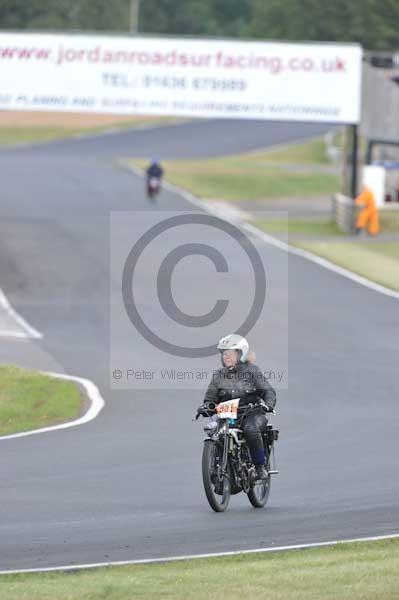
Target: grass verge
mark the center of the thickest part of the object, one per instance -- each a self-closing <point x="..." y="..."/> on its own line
<point x="378" y="261"/>
<point x="225" y="182"/>
<point x="30" y="400"/>
<point x="359" y="571"/>
<point x="308" y="227"/>
<point x="313" y="152"/>
<point x="389" y="221"/>
<point x="41" y="133"/>
<point x="255" y="175"/>
<point x="374" y="259"/>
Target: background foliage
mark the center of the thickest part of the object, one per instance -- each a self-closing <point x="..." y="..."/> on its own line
<point x="373" y="23"/>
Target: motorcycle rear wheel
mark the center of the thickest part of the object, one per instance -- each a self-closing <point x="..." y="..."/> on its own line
<point x="217" y="492"/>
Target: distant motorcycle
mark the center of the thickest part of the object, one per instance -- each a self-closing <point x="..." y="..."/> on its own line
<point x="227" y="467"/>
<point x="153" y="187"/>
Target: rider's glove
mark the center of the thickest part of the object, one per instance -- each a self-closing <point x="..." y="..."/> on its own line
<point x="205" y="410"/>
<point x="200" y="412"/>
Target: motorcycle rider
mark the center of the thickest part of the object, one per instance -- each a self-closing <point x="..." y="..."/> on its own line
<point x="154" y="171"/>
<point x="240" y="378"/>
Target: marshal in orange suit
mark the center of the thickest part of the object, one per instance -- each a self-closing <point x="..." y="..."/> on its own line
<point x="368" y="215"/>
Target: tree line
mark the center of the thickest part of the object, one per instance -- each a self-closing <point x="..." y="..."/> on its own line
<point x="373" y="23"/>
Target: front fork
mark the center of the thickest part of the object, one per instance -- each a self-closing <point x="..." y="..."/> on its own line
<point x="220" y="462"/>
<point x="224" y="470"/>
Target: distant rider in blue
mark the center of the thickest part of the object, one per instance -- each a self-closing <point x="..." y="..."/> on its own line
<point x="154" y="171"/>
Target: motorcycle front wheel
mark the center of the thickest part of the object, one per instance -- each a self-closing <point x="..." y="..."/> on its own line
<point x="259" y="492"/>
<point x="217" y="491"/>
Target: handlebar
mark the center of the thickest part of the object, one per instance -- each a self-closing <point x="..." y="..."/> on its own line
<point x="257" y="404"/>
<point x="207" y="410"/>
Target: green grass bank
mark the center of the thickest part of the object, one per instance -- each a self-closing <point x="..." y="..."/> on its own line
<point x="14" y="132"/>
<point x="30" y="400"/>
<point x="359" y="571"/>
<point x="261" y="175"/>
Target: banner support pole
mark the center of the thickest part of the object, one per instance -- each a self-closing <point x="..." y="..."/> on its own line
<point x="354" y="161"/>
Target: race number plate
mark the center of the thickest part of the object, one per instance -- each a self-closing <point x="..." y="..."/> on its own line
<point x="228" y="409"/>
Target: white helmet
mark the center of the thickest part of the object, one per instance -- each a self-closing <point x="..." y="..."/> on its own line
<point x="234" y="342"/>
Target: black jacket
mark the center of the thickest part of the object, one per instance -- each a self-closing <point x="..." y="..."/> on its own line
<point x="154" y="170"/>
<point x="245" y="381"/>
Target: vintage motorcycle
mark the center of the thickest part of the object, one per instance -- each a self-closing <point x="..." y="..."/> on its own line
<point x="227" y="467"/>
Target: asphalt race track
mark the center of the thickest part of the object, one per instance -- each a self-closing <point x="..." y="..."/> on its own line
<point x="128" y="485"/>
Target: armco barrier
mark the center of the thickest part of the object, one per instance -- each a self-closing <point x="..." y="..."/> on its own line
<point x="343" y="212"/>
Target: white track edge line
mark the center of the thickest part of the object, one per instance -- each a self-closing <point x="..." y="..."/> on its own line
<point x="269" y="239"/>
<point x="8" y="333"/>
<point x="146" y="561"/>
<point x="96" y="405"/>
<point x="31" y="332"/>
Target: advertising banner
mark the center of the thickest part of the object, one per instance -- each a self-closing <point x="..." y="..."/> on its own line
<point x="185" y="77"/>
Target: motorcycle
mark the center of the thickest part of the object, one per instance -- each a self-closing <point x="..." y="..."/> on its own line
<point x="153" y="187"/>
<point x="227" y="466"/>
